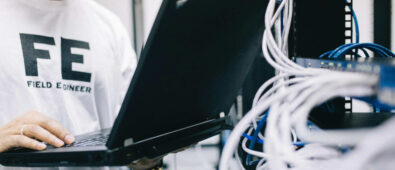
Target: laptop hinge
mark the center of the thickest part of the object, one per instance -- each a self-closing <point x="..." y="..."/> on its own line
<point x="128" y="142"/>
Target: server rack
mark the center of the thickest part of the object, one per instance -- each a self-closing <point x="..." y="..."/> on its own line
<point x="332" y="26"/>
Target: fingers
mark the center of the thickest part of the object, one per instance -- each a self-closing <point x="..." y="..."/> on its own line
<point x="13" y="141"/>
<point x="58" y="130"/>
<point x="50" y="125"/>
<point x="37" y="132"/>
<point x="145" y="163"/>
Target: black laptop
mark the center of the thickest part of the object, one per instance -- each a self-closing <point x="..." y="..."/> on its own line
<point x="194" y="63"/>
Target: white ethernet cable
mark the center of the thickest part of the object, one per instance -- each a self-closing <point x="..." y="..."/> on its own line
<point x="274" y="89"/>
<point x="281" y="63"/>
<point x="290" y="106"/>
<point x="375" y="151"/>
<point x="277" y="140"/>
<point x="275" y="145"/>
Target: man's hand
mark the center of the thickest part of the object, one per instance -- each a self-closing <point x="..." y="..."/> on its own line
<point x="29" y="129"/>
<point x="145" y="163"/>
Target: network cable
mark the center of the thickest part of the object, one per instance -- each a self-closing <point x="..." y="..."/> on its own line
<point x="284" y="107"/>
<point x="353" y="48"/>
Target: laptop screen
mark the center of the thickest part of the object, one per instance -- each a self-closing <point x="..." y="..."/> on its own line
<point x="192" y="67"/>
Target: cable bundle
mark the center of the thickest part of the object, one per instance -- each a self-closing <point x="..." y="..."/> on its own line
<point x="289" y="140"/>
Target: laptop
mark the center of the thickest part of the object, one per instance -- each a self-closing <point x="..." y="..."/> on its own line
<point x="190" y="71"/>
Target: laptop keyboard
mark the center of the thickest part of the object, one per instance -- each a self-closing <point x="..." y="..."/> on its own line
<point x="93" y="141"/>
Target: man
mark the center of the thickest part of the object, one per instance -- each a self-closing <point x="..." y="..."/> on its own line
<point x="65" y="68"/>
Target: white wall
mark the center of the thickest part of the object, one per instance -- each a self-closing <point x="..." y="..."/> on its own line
<point x="150" y="10"/>
<point x="364" y="12"/>
<point x="123" y="9"/>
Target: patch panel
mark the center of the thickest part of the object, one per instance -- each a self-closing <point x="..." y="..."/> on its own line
<point x="384" y="68"/>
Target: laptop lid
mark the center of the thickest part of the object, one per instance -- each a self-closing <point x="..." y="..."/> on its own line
<point x="192" y="67"/>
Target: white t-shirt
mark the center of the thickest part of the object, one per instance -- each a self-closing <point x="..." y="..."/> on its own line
<point x="71" y="60"/>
